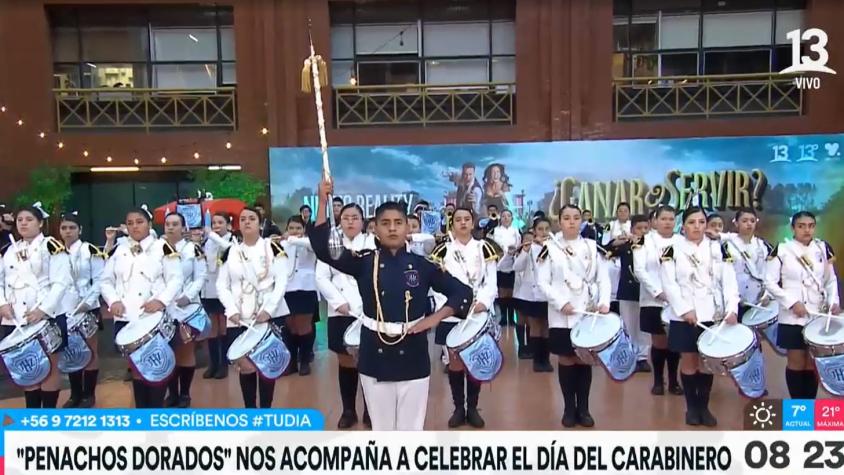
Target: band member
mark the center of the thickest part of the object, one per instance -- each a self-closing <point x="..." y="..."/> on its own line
<point x="714" y="223"/>
<point x="7" y="224"/>
<point x="622" y="248"/>
<point x="218" y="239"/>
<point x="305" y="213"/>
<point x="301" y="296"/>
<point x="344" y="305"/>
<point x="535" y="306"/>
<point x="251" y="282"/>
<point x="393" y="361"/>
<point x="418" y="242"/>
<point x="82" y="296"/>
<point x="268" y="227"/>
<point x="194" y="269"/>
<point x="36" y="274"/>
<point x="473" y="262"/>
<point x="370" y="226"/>
<point x="800" y="274"/>
<point x="141" y="277"/>
<point x="507" y="237"/>
<point x="525" y="294"/>
<point x="336" y="208"/>
<point x="572" y="273"/>
<point x="448" y="212"/>
<point x="750" y="253"/>
<point x="700" y="286"/>
<point x="617" y="228"/>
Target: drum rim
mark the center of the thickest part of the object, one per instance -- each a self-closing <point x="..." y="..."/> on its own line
<point x="600" y="346"/>
<point x="130" y="347"/>
<point x="484" y="329"/>
<point x="754" y="341"/>
<point x="265" y="331"/>
<point x="812" y="324"/>
<point x="35" y="333"/>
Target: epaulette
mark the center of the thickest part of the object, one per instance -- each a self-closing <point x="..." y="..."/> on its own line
<point x="768" y="246"/>
<point x="667" y="254"/>
<point x="492" y="251"/>
<point x="363" y="252"/>
<point x="224" y="256"/>
<point x="543" y="253"/>
<point x="198" y="252"/>
<point x="437" y="255"/>
<point x="830" y="254"/>
<point x="112" y="250"/>
<point x="772" y="252"/>
<point x="5" y="248"/>
<point x="278" y="249"/>
<point x="639" y="242"/>
<point x="725" y="252"/>
<point x="95" y="251"/>
<point x="170" y="251"/>
<point x="603" y="251"/>
<point x="55" y="246"/>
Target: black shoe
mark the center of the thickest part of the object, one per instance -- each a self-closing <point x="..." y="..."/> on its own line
<point x="569" y="419"/>
<point x="675" y="389"/>
<point x="87" y="402"/>
<point x="366" y="420"/>
<point x="543" y="367"/>
<point x="222" y="372"/>
<point x="292" y="368"/>
<point x="474" y="418"/>
<point x="172" y="400"/>
<point x="311" y="358"/>
<point x="658" y="390"/>
<point x="71" y="403"/>
<point x="458" y="418"/>
<point x="643" y="367"/>
<point x="184" y="402"/>
<point x="525" y="354"/>
<point x="585" y="419"/>
<point x="693" y="417"/>
<point x="707" y="419"/>
<point x="304" y="368"/>
<point x="347" y="420"/>
<point x="209" y="373"/>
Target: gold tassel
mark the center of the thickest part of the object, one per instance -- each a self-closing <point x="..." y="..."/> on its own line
<point x="306" y="77"/>
<point x="323" y="72"/>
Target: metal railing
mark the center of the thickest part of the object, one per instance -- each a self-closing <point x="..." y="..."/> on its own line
<point x="424" y="104"/>
<point x="706" y="96"/>
<point x="127" y="108"/>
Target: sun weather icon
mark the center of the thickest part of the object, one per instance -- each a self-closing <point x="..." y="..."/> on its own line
<point x="763" y="415"/>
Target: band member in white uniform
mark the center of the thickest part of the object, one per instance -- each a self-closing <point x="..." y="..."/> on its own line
<point x="507" y="237"/>
<point x="344" y="303"/>
<point x="393" y="358"/>
<point x="617" y="228"/>
<point x="418" y="242"/>
<point x="526" y="292"/>
<point x="572" y="273"/>
<point x="142" y="276"/>
<point x="714" y="224"/>
<point x="251" y="283"/>
<point x="535" y="304"/>
<point x="218" y="239"/>
<point x="35" y="275"/>
<point x="652" y="299"/>
<point x="473" y="262"/>
<point x="700" y="285"/>
<point x="800" y="274"/>
<point x="193" y="268"/>
<point x="301" y="296"/>
<point x="83" y="295"/>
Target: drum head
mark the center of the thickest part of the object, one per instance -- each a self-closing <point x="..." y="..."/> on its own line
<point x="24" y="334"/>
<point x="584" y="335"/>
<point x="247" y="340"/>
<point x="465" y="331"/>
<point x="351" y="337"/>
<point x="136" y="329"/>
<point x="182" y="313"/>
<point x="731" y="340"/>
<point x="758" y="316"/>
<point x="815" y="332"/>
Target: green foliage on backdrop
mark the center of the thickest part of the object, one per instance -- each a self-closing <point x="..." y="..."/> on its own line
<point x="49" y="185"/>
<point x="230" y="184"/>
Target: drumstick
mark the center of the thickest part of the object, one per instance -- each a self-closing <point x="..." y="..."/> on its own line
<point x="706" y="328"/>
<point x="828" y="317"/>
<point x="751" y="305"/>
<point x="718" y="330"/>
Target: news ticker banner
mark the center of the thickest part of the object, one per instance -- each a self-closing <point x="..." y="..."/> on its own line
<point x="792" y="434"/>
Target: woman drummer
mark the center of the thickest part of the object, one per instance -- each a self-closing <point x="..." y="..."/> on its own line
<point x="344" y="302"/>
<point x="646" y="268"/>
<point x="218" y="239"/>
<point x="800" y="274"/>
<point x="35" y="275"/>
<point x="700" y="287"/>
<point x="251" y="283"/>
<point x="83" y="296"/>
<point x="141" y="277"/>
<point x="194" y="269"/>
<point x="301" y="296"/>
<point x="535" y="305"/>
<point x="507" y="237"/>
<point x="573" y="275"/>
<point x="474" y="263"/>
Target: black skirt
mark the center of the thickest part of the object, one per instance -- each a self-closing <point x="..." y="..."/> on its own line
<point x="118" y="325"/>
<point x="532" y="309"/>
<point x="790" y="337"/>
<point x="559" y="342"/>
<point x="650" y="320"/>
<point x="441" y="333"/>
<point x="506" y="280"/>
<point x="682" y="336"/>
<point x="336" y="330"/>
<point x="213" y="307"/>
<point x="615" y="307"/>
<point x="301" y="302"/>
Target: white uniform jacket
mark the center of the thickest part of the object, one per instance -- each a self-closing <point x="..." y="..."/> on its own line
<point x="34" y="275"/>
<point x="798" y="273"/>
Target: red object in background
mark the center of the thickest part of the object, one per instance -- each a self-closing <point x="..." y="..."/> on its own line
<point x="225" y="205"/>
<point x="829" y="414"/>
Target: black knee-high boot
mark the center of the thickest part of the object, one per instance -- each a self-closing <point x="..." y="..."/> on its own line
<point x="704" y="389"/>
<point x="566" y="377"/>
<point x="523" y="350"/>
<point x="794" y="381"/>
<point x="658" y="357"/>
<point x="139" y="391"/>
<point x="584" y="387"/>
<point x="155" y="396"/>
<point x="89" y="388"/>
<point x="456" y="383"/>
<point x="473" y="394"/>
<point x="33" y="399"/>
<point x="172" y="399"/>
<point x="690" y="391"/>
<point x="293" y="341"/>
<point x="185" y="380"/>
<point x="810" y="384"/>
<point x="249" y="389"/>
<point x="49" y="399"/>
<point x="306" y="345"/>
<point x="348" y="379"/>
<point x="76" y="389"/>
<point x="213" y="358"/>
<point x="673" y="359"/>
<point x="266" y="389"/>
<point x="535" y="346"/>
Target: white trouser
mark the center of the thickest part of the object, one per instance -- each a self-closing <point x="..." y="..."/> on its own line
<point x="396" y="405"/>
<point x="630" y="315"/>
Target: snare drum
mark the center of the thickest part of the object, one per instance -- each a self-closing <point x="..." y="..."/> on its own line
<point x="146" y="342"/>
<point x="263" y="347"/>
<point x="194" y="324"/>
<point x="475" y="341"/>
<point x="351" y="338"/>
<point x="734" y="352"/>
<point x="827" y="349"/>
<point x="25" y="352"/>
<point x="78" y="353"/>
<point x="765" y="321"/>
<point x="602" y="340"/>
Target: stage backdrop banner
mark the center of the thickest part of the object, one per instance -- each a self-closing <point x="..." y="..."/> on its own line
<point x="776" y="175"/>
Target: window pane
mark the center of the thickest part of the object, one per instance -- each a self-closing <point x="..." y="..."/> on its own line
<point x="503" y="69"/>
<point x="619" y="34"/>
<point x="679" y="31"/>
<point x="65" y="45"/>
<point x="114" y="44"/>
<point x="386" y="39"/>
<point x="678" y="64"/>
<point x="737" y="62"/>
<point x="114" y="75"/>
<point x="227" y="44"/>
<point x="781" y="58"/>
<point x="388" y="73"/>
<point x="619" y="65"/>
<point x="503" y="37"/>
<point x="788" y="20"/>
<point x="645" y="65"/>
<point x="456" y="71"/>
<point x="341" y="72"/>
<point x="342" y="41"/>
<point x="184" y="76"/>
<point x="456" y="39"/>
<point x="184" y="44"/>
<point x="229" y="73"/>
<point x="66" y="76"/>
<point x="737" y="29"/>
<point x="643" y="34"/>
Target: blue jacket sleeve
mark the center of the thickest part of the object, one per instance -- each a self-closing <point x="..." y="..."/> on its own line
<point x="348" y="263"/>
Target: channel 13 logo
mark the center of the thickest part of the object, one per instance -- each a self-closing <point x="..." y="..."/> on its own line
<point x="808" y="64"/>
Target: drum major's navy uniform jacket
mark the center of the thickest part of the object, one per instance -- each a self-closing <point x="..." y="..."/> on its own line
<point x="628" y="285"/>
<point x="403" y="282"/>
